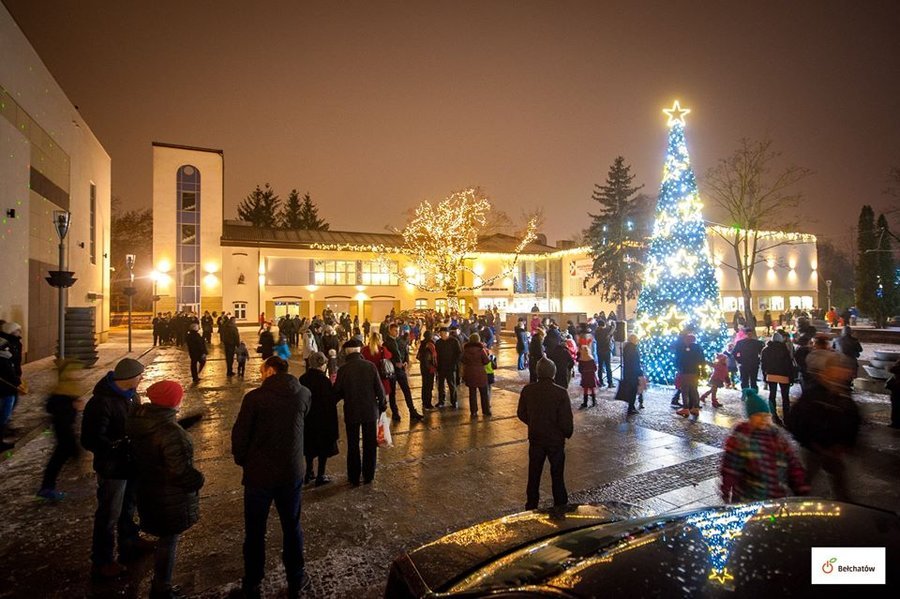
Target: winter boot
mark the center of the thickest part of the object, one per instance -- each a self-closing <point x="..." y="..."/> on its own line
<point x="593" y="400"/>
<point x="683" y="412"/>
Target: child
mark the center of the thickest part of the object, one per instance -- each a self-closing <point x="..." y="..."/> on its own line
<point x="61" y="407"/>
<point x="281" y="349"/>
<point x="332" y="365"/>
<point x="759" y="462"/>
<point x="732" y="365"/>
<point x="242" y="356"/>
<point x="587" y="368"/>
<point x="717" y="380"/>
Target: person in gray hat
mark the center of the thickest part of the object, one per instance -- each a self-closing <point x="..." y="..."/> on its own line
<point x="544" y="406"/>
<point x="103" y="434"/>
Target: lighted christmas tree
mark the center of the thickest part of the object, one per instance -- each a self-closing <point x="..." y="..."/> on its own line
<point x="680" y="290"/>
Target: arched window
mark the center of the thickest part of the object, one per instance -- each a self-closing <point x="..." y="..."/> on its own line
<point x="188" y="242"/>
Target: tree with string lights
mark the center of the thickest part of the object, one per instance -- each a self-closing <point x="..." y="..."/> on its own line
<point x="680" y="291"/>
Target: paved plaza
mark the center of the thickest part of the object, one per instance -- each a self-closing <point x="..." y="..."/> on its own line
<point x="443" y="473"/>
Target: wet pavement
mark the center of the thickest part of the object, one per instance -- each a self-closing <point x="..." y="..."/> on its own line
<point x="446" y="472"/>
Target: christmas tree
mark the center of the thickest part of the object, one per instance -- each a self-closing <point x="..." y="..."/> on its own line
<point x="680" y="291"/>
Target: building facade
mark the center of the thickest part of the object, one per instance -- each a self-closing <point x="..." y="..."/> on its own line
<point x="49" y="160"/>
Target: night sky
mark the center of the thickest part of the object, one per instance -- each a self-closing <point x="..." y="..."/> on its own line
<point x="374" y="106"/>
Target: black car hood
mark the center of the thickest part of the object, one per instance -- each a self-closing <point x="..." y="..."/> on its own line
<point x="446" y="560"/>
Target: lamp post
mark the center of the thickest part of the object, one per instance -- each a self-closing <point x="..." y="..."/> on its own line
<point x="130" y="291"/>
<point x="61" y="279"/>
<point x="828" y="286"/>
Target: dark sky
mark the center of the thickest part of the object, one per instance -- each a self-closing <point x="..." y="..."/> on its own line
<point x="374" y="106"/>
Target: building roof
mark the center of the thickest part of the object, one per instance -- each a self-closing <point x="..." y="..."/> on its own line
<point x="160" y="144"/>
<point x="242" y="233"/>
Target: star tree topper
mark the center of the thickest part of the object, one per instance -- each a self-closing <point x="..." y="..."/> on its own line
<point x="676" y="113"/>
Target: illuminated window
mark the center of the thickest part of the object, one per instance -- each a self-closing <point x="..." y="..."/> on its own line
<point x="187" y="198"/>
<point x="380" y="273"/>
<point x="776" y="303"/>
<point x="335" y="272"/>
<point x="421" y="304"/>
<point x="730" y="303"/>
<point x="93" y="223"/>
<point x="240" y="310"/>
<point x="440" y="305"/>
<point x="804" y="302"/>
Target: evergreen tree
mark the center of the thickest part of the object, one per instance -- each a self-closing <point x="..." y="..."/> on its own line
<point x="867" y="262"/>
<point x="616" y="236"/>
<point x="309" y="215"/>
<point x="680" y="290"/>
<point x="886" y="274"/>
<point x="260" y="207"/>
<point x="291" y="217"/>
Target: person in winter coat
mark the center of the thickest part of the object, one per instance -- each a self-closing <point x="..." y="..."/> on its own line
<point x="242" y="355"/>
<point x="231" y="338"/>
<point x="746" y="352"/>
<point x="688" y="358"/>
<point x="602" y="337"/>
<point x="545" y="408"/>
<point x="849" y="345"/>
<point x="61" y="405"/>
<point x="587" y="369"/>
<point x="718" y="379"/>
<point x="398" y="349"/>
<point x="321" y="428"/>
<point x="267" y="342"/>
<point x="11" y="384"/>
<point x="360" y="386"/>
<point x="631" y="373"/>
<point x="282" y="350"/>
<point x="474" y="359"/>
<point x="562" y="359"/>
<point x="521" y="334"/>
<point x="103" y="434"/>
<point x="893" y="385"/>
<point x="535" y="353"/>
<point x="206" y="323"/>
<point x="196" y="351"/>
<point x="267" y="442"/>
<point x="166" y="484"/>
<point x="732" y="365"/>
<point x="427" y="358"/>
<point x="759" y="462"/>
<point x="449" y="352"/>
<point x="778" y="372"/>
<point x="375" y="352"/>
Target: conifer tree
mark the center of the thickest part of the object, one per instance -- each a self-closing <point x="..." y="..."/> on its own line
<point x="867" y="262"/>
<point x="260" y="207"/>
<point x="886" y="273"/>
<point x="291" y="217"/>
<point x="309" y="215"/>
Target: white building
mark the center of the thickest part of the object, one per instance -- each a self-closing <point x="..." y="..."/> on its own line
<point x="49" y="160"/>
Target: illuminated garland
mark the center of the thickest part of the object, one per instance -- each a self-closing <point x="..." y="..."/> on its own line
<point x="680" y="289"/>
<point x="719" y="528"/>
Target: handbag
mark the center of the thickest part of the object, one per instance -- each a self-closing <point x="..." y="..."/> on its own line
<point x="387" y="369"/>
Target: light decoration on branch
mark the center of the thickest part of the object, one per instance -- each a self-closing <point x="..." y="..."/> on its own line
<point x="442" y="238"/>
<point x="680" y="290"/>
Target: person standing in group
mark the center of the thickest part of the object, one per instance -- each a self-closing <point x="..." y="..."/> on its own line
<point x="267" y="442"/>
<point x="631" y="373"/>
<point x="746" y="352"/>
<point x="196" y="352"/>
<point x="360" y="386"/>
<point x="544" y="407"/>
<point x="398" y="348"/>
<point x="206" y="324"/>
<point x="850" y="346"/>
<point x="427" y="358"/>
<point x="375" y="353"/>
<point x="587" y="369"/>
<point x="103" y="434"/>
<point x="61" y="405"/>
<point x="535" y="353"/>
<point x="759" y="462"/>
<point x="893" y="385"/>
<point x="231" y="338"/>
<point x="266" y="342"/>
<point x="474" y="359"/>
<point x="521" y="344"/>
<point x="321" y="429"/>
<point x="778" y="371"/>
<point x="688" y="358"/>
<point x="564" y="362"/>
<point x="166" y="483"/>
<point x="242" y="354"/>
<point x="448" y="355"/>
<point x="602" y="336"/>
<point x="11" y="383"/>
<point x="718" y="379"/>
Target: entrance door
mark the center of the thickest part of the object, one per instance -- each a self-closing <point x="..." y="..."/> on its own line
<point x="287" y="308"/>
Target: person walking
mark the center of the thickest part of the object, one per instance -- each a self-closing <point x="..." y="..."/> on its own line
<point x="398" y="348"/>
<point x="587" y="369"/>
<point x="688" y="358"/>
<point x="11" y="382"/>
<point x="427" y="358"/>
<point x="231" y="338"/>
<point x="718" y="379"/>
<point x="267" y="443"/>
<point x="746" y="352"/>
<point x="103" y="434"/>
<point x="545" y="409"/>
<point x="778" y="372"/>
<point x="759" y="462"/>
<point x="321" y="428"/>
<point x="242" y="354"/>
<point x="62" y="410"/>
<point x="474" y="359"/>
<point x="196" y="352"/>
<point x="448" y="354"/>
<point x="360" y="386"/>
<point x="266" y="342"/>
<point x="206" y="323"/>
<point x="631" y="373"/>
<point x="166" y="483"/>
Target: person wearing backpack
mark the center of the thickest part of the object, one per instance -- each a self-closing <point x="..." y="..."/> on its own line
<point x="103" y="434"/>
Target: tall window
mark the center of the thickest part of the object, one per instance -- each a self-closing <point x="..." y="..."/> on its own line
<point x="188" y="242"/>
<point x="93" y="224"/>
<point x="380" y="273"/>
<point x="440" y="305"/>
<point x="335" y="272"/>
<point x="240" y="310"/>
<point x="421" y="304"/>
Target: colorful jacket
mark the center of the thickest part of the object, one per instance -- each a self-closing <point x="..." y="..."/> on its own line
<point x="760" y="463"/>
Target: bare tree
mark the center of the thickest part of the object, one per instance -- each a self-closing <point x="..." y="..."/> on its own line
<point x="752" y="191"/>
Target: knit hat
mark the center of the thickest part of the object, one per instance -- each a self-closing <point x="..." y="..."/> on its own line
<point x="353" y="342"/>
<point x="11" y="327"/>
<point x="127" y="368"/>
<point x="317" y="359"/>
<point x="546" y="369"/>
<point x="778" y="338"/>
<point x="753" y="403"/>
<point x="167" y="394"/>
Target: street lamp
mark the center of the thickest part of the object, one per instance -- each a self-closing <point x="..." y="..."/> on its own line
<point x="130" y="291"/>
<point x="828" y="286"/>
<point x="61" y="279"/>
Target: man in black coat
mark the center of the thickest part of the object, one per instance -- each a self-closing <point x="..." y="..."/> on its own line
<point x="564" y="363"/>
<point x="544" y="406"/>
<point x="604" y="353"/>
<point x="206" y="324"/>
<point x="103" y="434"/>
<point x="399" y="351"/>
<point x="267" y="442"/>
<point x="359" y="385"/>
<point x="448" y="354"/>
<point x="10" y="375"/>
<point x="747" y="352"/>
<point x="196" y="347"/>
<point x="231" y="338"/>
